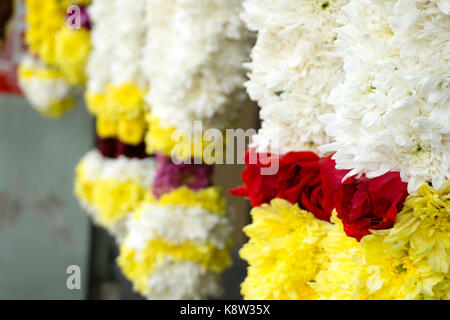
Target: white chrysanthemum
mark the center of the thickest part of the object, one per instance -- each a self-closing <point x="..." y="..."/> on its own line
<point x="44" y="87"/>
<point x="183" y="280"/>
<point x="193" y="61"/>
<point x="178" y="224"/>
<point x="129" y="38"/>
<point x="444" y="6"/>
<point x="392" y="110"/>
<point x="294" y="67"/>
<point x="103" y="37"/>
<point x="97" y="167"/>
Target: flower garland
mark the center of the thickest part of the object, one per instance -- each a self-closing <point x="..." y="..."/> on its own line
<point x="398" y="94"/>
<point x="158" y="239"/>
<point x="149" y="202"/>
<point x="294" y="67"/>
<point x="116" y="86"/>
<point x="45" y="88"/>
<point x="112" y="181"/>
<point x="60" y="55"/>
<point x="204" y="83"/>
<point x="374" y="224"/>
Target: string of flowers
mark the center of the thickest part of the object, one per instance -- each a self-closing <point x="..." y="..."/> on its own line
<point x="364" y="213"/>
<point x="179" y="243"/>
<point x="54" y="71"/>
<point x="113" y="180"/>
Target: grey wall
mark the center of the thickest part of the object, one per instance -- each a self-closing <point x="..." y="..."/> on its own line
<point x="42" y="229"/>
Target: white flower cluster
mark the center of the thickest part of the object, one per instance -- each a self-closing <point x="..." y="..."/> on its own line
<point x="183" y="280"/>
<point x="193" y="60"/>
<point x="294" y="67"/>
<point x="393" y="109"/>
<point x="117" y="38"/>
<point x="98" y="70"/>
<point x="45" y="88"/>
<point x="97" y="167"/>
<point x="178" y="225"/>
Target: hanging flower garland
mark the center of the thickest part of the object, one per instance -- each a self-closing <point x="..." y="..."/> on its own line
<point x="116" y="86"/>
<point x="113" y="180"/>
<point x="179" y="244"/>
<point x="46" y="88"/>
<point x="50" y="79"/>
<point x="193" y="61"/>
<point x="378" y="228"/>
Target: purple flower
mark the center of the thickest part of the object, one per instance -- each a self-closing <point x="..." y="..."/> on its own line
<point x="85" y="20"/>
<point x="171" y="176"/>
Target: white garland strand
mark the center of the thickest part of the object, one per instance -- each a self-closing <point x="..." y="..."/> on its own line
<point x="294" y="67"/>
<point x="392" y="110"/>
<point x="193" y="61"/>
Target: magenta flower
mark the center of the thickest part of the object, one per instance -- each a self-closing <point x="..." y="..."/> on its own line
<point x="170" y="176"/>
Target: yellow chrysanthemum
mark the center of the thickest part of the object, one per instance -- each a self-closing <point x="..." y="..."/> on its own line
<point x="170" y="142"/>
<point x="137" y="266"/>
<point x="112" y="199"/>
<point x="342" y="275"/>
<point x="44" y="19"/>
<point x="423" y="227"/>
<point x="115" y="199"/>
<point x="284" y="252"/>
<point x="58" y="108"/>
<point x="388" y="277"/>
<point x="72" y="49"/>
<point x="126" y="100"/>
<point x="95" y="103"/>
<point x="210" y="199"/>
<point x="106" y="127"/>
<point x="131" y="131"/>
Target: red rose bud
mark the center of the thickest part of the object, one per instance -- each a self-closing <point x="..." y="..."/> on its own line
<point x="107" y="147"/>
<point x="370" y="204"/>
<point x="131" y="151"/>
<point x="258" y="188"/>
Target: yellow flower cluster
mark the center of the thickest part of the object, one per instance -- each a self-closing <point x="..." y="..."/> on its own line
<point x="53" y="42"/>
<point x="169" y="141"/>
<point x="283" y="253"/>
<point x="72" y="48"/>
<point x="120" y="113"/>
<point x="291" y="257"/>
<point x="111" y="199"/>
<point x="137" y="266"/>
<point x="210" y="199"/>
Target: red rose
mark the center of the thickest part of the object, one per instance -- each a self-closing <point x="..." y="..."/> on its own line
<point x="365" y="204"/>
<point x="258" y="188"/>
<point x="298" y="180"/>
